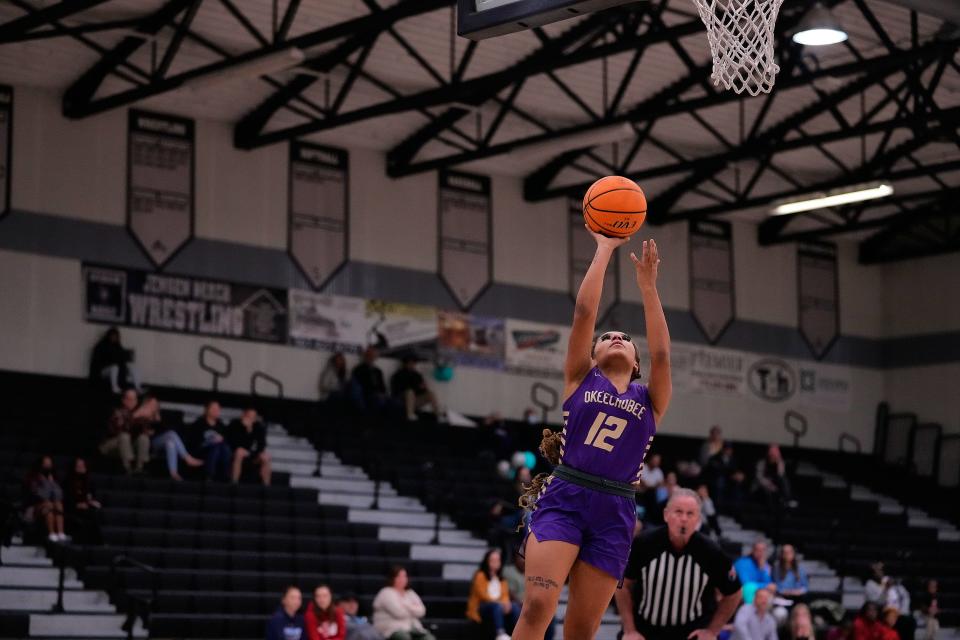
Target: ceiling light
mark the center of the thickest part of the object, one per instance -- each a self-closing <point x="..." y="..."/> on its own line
<point x="256" y="67"/>
<point x="834" y="199"/>
<point x="819" y="27"/>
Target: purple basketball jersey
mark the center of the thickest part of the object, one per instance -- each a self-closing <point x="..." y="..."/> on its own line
<point x="605" y="433"/>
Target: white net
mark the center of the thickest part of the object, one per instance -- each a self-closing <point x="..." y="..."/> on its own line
<point x="741" y="42"/>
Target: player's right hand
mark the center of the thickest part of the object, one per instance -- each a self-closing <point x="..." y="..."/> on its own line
<point x="605" y="241"/>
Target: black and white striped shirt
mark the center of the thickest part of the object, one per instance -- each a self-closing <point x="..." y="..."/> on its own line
<point x="675" y="588"/>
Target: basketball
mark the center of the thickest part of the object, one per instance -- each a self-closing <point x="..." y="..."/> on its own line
<point x="614" y="206"/>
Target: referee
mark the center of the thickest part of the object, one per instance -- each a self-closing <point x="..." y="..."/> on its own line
<point x="668" y="589"/>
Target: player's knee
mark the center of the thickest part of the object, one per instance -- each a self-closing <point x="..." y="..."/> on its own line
<point x="538" y="607"/>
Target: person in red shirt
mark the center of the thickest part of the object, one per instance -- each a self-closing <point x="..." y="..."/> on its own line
<point x="324" y="620"/>
<point x="867" y="626"/>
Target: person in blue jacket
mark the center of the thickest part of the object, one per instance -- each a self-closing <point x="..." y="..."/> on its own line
<point x="287" y="622"/>
<point x="754" y="571"/>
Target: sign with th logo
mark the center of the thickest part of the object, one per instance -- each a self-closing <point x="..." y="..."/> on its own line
<point x="772" y="379"/>
<point x="464" y="227"/>
<point x="160" y="183"/>
<point x="711" y="277"/>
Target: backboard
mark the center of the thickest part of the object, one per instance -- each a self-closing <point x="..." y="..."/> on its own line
<point x="481" y="19"/>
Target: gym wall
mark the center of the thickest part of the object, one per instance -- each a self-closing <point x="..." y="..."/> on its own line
<point x="68" y="206"/>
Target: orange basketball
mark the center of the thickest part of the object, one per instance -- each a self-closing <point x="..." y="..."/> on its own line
<point x="614" y="206"/>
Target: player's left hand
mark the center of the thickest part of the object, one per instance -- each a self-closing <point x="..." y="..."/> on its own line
<point x="647" y="265"/>
<point x="702" y="634"/>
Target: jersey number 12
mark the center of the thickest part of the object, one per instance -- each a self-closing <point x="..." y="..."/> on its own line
<point x="598" y="437"/>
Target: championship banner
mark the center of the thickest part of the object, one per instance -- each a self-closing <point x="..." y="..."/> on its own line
<point x="471" y="340"/>
<point x="534" y="347"/>
<point x="818" y="299"/>
<point x="582" y="248"/>
<point x="160" y="183"/>
<point x="394" y="327"/>
<point x="318" y="210"/>
<point x="738" y="374"/>
<point x="464" y="228"/>
<point x="6" y="146"/>
<point x="711" y="277"/>
<point x="322" y="321"/>
<point x="184" y="305"/>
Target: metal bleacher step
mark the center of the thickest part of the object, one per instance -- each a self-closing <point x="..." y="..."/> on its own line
<point x="43" y="600"/>
<point x="81" y="625"/>
<point x="19" y="555"/>
<point x="397" y="518"/>
<point x="12" y="576"/>
<point x="365" y="501"/>
<point x="445" y="552"/>
<point x="339" y="485"/>
<point x="425" y="536"/>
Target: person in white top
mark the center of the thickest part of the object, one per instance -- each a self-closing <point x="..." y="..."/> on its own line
<point x="397" y="609"/>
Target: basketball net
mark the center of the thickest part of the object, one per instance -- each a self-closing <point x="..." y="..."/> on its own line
<point x="741" y="42"/>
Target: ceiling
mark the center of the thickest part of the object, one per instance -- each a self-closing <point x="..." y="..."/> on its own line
<point x="391" y="75"/>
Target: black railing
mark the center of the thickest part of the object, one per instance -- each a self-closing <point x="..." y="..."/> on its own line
<point x="925" y="460"/>
<point x="795" y="424"/>
<point x="135" y="606"/>
<point x="260" y="375"/>
<point x="546" y="405"/>
<point x="221" y="371"/>
<point x="855" y="446"/>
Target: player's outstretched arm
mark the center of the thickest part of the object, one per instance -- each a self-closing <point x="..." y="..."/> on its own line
<point x="585" y="313"/>
<point x="658" y="336"/>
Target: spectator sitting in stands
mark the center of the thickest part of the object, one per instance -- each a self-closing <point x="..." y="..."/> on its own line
<point x="397" y="609"/>
<point x="652" y="473"/>
<point x="666" y="490"/>
<point x="884" y="591"/>
<point x="708" y="511"/>
<point x="408" y="386"/>
<point x="287" y="622"/>
<point x="44" y="499"/>
<point x="110" y="361"/>
<point x="876" y="584"/>
<point x="754" y="621"/>
<point x="801" y="623"/>
<point x="207" y="441"/>
<point x="888" y="627"/>
<point x="711" y="446"/>
<point x="489" y="599"/>
<point x="866" y="626"/>
<point x="82" y="507"/>
<point x="928" y="609"/>
<point x="324" y="620"/>
<point x="754" y="571"/>
<point x="130" y="445"/>
<point x="247" y="437"/>
<point x="770" y="480"/>
<point x="358" y="627"/>
<point x="166" y="441"/>
<point x="367" y="388"/>
<point x="725" y="478"/>
<point x="790" y="578"/>
<point x="333" y="378"/>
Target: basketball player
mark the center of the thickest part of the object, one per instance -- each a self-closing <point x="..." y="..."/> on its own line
<point x="583" y="514"/>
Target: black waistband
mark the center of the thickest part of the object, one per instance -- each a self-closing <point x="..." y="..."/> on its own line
<point x="624" y="489"/>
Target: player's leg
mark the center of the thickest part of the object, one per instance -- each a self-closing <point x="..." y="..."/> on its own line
<point x="548" y="564"/>
<point x="591" y="590"/>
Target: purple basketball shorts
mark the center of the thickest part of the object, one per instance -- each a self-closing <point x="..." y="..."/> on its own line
<point x="601" y="524"/>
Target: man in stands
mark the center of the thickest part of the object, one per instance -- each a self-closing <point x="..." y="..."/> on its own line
<point x="755" y="622"/>
<point x="367" y="387"/>
<point x="754" y="571"/>
<point x="770" y="478"/>
<point x="408" y="386"/>
<point x="248" y="438"/>
<point x="287" y="622"/>
<point x="131" y="446"/>
<point x="725" y="478"/>
<point x="206" y="440"/>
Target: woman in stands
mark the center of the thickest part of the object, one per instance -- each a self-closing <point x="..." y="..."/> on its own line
<point x="489" y="600"/>
<point x="45" y="499"/>
<point x="397" y="609"/>
<point x="324" y="620"/>
<point x="583" y="514"/>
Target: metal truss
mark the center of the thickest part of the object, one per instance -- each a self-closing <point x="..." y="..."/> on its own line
<point x="458" y="97"/>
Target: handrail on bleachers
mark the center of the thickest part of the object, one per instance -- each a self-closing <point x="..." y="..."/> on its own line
<point x="545" y="406"/>
<point x="853" y="440"/>
<point x="260" y="375"/>
<point x="136" y="606"/>
<point x="795" y="423"/>
<point x="216" y="372"/>
<point x="933" y="459"/>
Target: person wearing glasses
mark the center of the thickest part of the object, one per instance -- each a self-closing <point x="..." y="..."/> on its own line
<point x="582" y="515"/>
